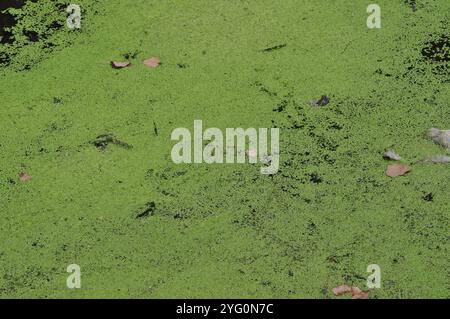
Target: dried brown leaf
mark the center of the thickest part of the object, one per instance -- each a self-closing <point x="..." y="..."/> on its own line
<point x="361" y="295"/>
<point x="397" y="170"/>
<point x="341" y="290"/>
<point x="153" y="62"/>
<point x="354" y="291"/>
<point x="119" y="64"/>
<point x="24" y="177"/>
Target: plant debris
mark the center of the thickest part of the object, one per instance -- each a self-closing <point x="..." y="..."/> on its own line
<point x="341" y="290"/>
<point x="428" y="197"/>
<point x="276" y="47"/>
<point x="102" y="141"/>
<point x="149" y="210"/>
<point x="438" y="50"/>
<point x="324" y="100"/>
<point x="153" y="62"/>
<point x="24" y="177"/>
<point x="155" y="129"/>
<point x="438" y="159"/>
<point x="441" y="137"/>
<point x="354" y="291"/>
<point x="397" y="170"/>
<point x="120" y="65"/>
<point x="359" y="294"/>
<point x="392" y="155"/>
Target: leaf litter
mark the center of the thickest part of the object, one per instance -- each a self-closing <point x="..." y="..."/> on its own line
<point x="397" y="170"/>
<point x="324" y="100"/>
<point x="354" y="291"/>
<point x="392" y="155"/>
<point x="440" y="137"/>
<point x="152" y="62"/>
<point x="438" y="159"/>
<point x="119" y="64"/>
<point x="24" y="177"/>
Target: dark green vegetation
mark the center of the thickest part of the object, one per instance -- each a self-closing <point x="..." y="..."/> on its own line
<point x="106" y="196"/>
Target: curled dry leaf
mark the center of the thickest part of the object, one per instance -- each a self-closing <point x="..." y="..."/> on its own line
<point x="24" y="177"/>
<point x="341" y="290"/>
<point x="438" y="159"/>
<point x="391" y="155"/>
<point x="153" y="62"/>
<point x="120" y="65"/>
<point x="397" y="170"/>
<point x="441" y="137"/>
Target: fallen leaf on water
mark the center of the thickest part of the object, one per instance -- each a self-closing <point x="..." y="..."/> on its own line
<point x="24" y="177"/>
<point x="341" y="290"/>
<point x="359" y="294"/>
<point x="438" y="159"/>
<point x="441" y="137"/>
<point x="354" y="291"/>
<point x="390" y="154"/>
<point x="324" y="100"/>
<point x="120" y="65"/>
<point x="153" y="62"/>
<point x="397" y="170"/>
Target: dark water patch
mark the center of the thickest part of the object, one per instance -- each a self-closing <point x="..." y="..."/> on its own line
<point x="149" y="210"/>
<point x="281" y="106"/>
<point x="428" y="197"/>
<point x="102" y="141"/>
<point x="32" y="36"/>
<point x="314" y="178"/>
<point x="412" y="4"/>
<point x="7" y="20"/>
<point x="437" y="50"/>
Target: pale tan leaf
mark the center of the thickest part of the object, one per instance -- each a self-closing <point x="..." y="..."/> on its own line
<point x="392" y="155"/>
<point x="441" y="137"/>
<point x="153" y="62"/>
<point x="119" y="64"/>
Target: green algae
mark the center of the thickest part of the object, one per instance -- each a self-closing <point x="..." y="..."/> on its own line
<point x="224" y="230"/>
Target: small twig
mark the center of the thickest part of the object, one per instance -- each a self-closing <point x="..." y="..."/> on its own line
<point x="277" y="47"/>
<point x="155" y="129"/>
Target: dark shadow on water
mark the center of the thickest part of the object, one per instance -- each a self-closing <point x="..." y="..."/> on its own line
<point x="6" y="20"/>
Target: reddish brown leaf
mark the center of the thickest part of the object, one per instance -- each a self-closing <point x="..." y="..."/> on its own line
<point x="341" y="290"/>
<point x="120" y="65"/>
<point x="24" y="177"/>
<point x="397" y="170"/>
<point x="354" y="291"/>
<point x="153" y="62"/>
<point x="359" y="294"/>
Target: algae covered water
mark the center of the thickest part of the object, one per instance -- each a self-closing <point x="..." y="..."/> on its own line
<point x="92" y="203"/>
